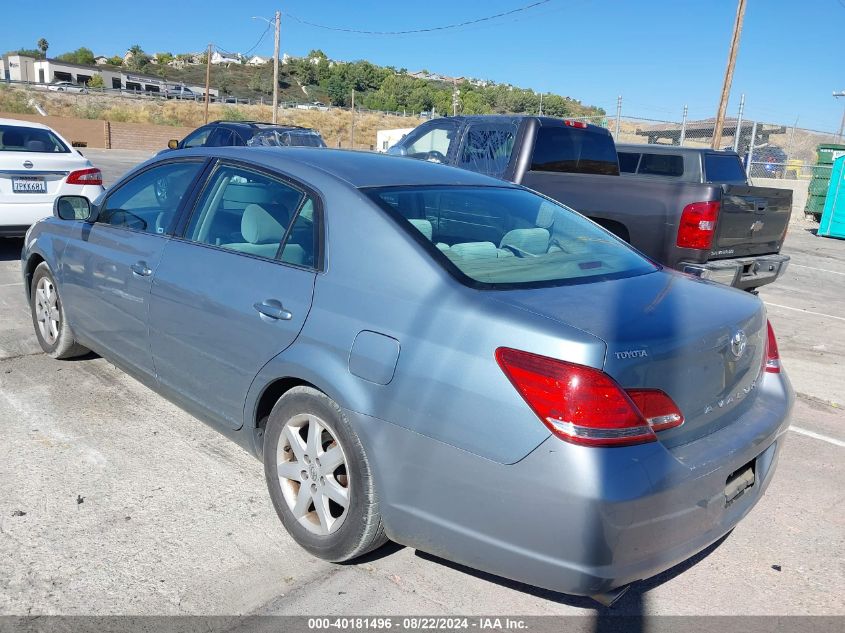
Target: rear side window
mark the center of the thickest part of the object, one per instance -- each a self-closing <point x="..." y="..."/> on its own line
<point x="724" y="168"/>
<point x="661" y="165"/>
<point x="498" y="238"/>
<point x="628" y="162"/>
<point x="487" y="149"/>
<point x="250" y="212"/>
<point x="15" y="138"/>
<point x="574" y="150"/>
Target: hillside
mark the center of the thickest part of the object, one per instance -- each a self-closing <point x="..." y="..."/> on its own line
<point x="316" y="77"/>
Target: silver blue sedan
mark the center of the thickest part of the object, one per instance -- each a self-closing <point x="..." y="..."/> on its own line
<point x="427" y="355"/>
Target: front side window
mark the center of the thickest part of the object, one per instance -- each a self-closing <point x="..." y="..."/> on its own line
<point x="628" y="162"/>
<point x="487" y="149"/>
<point x="662" y="165"/>
<point x="250" y="212"/>
<point x="150" y="201"/>
<point x="494" y="237"/>
<point x="574" y="150"/>
<point x="16" y="138"/>
<point x="431" y="142"/>
<point x="197" y="138"/>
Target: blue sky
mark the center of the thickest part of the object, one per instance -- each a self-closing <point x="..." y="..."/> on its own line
<point x="658" y="54"/>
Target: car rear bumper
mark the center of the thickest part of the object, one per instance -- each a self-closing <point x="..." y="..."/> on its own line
<point x="744" y="273"/>
<point x="570" y="518"/>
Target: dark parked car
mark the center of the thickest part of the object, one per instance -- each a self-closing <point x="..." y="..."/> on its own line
<point x="426" y="354"/>
<point x="713" y="226"/>
<point x="768" y="161"/>
<point x="240" y="133"/>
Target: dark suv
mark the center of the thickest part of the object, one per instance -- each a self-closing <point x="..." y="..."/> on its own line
<point x="240" y="133"/>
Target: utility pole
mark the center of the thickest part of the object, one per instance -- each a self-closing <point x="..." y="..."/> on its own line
<point x="276" y="68"/>
<point x="540" y="113"/>
<point x="455" y="93"/>
<point x="352" y="123"/>
<point x="207" y="80"/>
<point x="729" y="75"/>
<point x="684" y="126"/>
<point x="618" y="117"/>
<point x="738" y="127"/>
<point x="836" y="95"/>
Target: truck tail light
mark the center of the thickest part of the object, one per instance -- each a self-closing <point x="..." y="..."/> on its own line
<point x="91" y="176"/>
<point x="578" y="124"/>
<point x="772" y="354"/>
<point x="585" y="406"/>
<point x="698" y="225"/>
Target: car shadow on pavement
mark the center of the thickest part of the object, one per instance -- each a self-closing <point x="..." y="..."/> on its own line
<point x="10" y="249"/>
<point x="631" y="606"/>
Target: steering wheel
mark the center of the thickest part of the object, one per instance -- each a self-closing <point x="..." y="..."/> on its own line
<point x="435" y="156"/>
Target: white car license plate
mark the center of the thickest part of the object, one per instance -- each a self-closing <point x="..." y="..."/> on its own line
<point x="29" y="184"/>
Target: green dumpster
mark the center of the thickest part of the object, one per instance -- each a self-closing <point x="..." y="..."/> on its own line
<point x="826" y="153"/>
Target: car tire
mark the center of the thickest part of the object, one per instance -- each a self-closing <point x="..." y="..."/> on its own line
<point x="292" y="462"/>
<point x="48" y="316"/>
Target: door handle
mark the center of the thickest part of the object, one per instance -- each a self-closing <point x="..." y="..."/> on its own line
<point x="140" y="269"/>
<point x="273" y="309"/>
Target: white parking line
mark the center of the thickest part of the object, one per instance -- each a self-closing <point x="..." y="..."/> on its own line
<point x="821" y="314"/>
<point x="17" y="283"/>
<point x="818" y="436"/>
<point x="824" y="270"/>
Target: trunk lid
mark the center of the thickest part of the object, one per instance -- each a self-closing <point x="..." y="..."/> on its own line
<point x="26" y="166"/>
<point x="667" y="331"/>
<point x="752" y="221"/>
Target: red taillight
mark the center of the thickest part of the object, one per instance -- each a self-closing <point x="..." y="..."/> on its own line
<point x="772" y="354"/>
<point x="698" y="224"/>
<point x="578" y="124"/>
<point x="583" y="405"/>
<point x="91" y="176"/>
<point x="657" y="408"/>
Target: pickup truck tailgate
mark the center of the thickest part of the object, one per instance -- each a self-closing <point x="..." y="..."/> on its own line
<point x="752" y="221"/>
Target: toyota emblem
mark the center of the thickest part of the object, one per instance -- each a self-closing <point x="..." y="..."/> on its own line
<point x="739" y="341"/>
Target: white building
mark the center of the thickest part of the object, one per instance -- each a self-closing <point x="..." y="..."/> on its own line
<point x="386" y="138"/>
<point x="218" y="58"/>
<point x="48" y="71"/>
<point x="257" y="60"/>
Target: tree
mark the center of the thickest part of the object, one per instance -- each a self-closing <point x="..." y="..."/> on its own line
<point x="43" y="45"/>
<point x="115" y="60"/>
<point x="164" y="58"/>
<point x="96" y="82"/>
<point x="137" y="57"/>
<point x="82" y="55"/>
<point x="338" y="90"/>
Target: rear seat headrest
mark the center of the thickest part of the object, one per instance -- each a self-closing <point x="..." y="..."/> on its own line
<point x="474" y="250"/>
<point x="258" y="226"/>
<point x="423" y="226"/>
<point x="534" y="241"/>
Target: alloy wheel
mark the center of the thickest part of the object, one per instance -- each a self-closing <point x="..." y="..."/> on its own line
<point x="47" y="310"/>
<point x="313" y="474"/>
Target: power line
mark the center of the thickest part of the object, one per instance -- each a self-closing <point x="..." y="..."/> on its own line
<point x="256" y="45"/>
<point x="426" y="30"/>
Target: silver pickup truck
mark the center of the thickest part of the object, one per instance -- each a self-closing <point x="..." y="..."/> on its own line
<point x="689" y="209"/>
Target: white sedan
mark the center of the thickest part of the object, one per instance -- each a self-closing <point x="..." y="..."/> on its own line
<point x="68" y="86"/>
<point x="36" y="166"/>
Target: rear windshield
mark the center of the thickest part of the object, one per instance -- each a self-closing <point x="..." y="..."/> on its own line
<point x="574" y="150"/>
<point x="628" y="162"/>
<point x="502" y="238"/>
<point x="661" y="165"/>
<point x="15" y="138"/>
<point x="724" y="168"/>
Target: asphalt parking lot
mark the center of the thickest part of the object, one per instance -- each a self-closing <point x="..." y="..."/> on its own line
<point x="114" y="501"/>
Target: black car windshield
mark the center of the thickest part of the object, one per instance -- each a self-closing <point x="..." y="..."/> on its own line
<point x="500" y="238"/>
<point x="15" y="138"/>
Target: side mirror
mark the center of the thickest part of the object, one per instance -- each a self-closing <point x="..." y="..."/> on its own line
<point x="397" y="150"/>
<point x="173" y="144"/>
<point x="72" y="208"/>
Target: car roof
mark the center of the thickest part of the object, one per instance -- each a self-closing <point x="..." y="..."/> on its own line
<point x="20" y="123"/>
<point x="260" y="125"/>
<point x="356" y="168"/>
<point x="514" y="118"/>
<point x="669" y="149"/>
